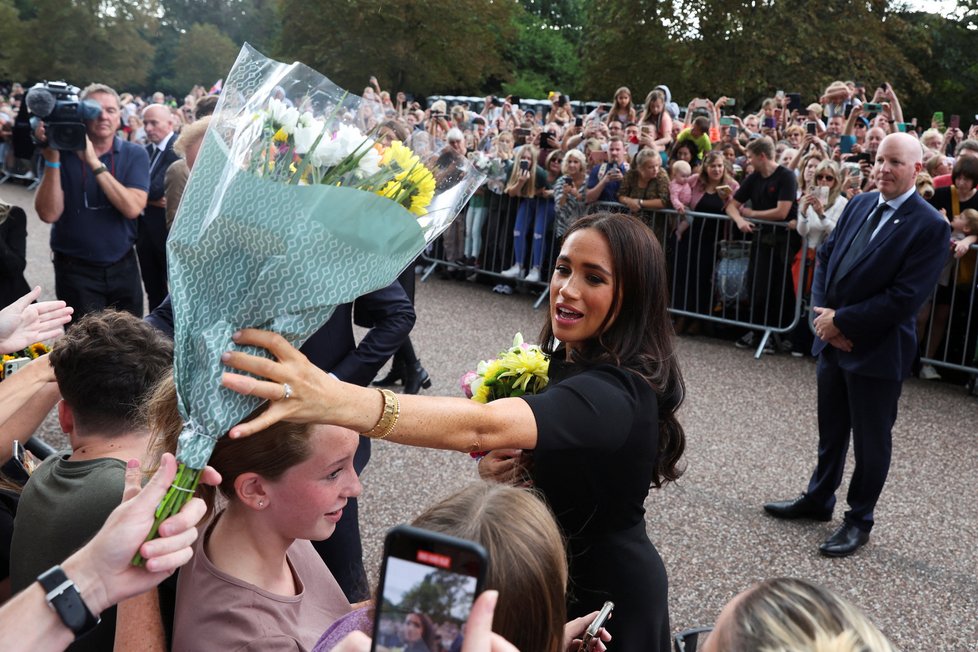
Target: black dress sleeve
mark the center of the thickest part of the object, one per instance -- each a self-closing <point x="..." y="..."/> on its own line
<point x="593" y="410"/>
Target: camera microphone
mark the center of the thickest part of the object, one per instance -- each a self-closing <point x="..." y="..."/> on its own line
<point x="40" y="102"/>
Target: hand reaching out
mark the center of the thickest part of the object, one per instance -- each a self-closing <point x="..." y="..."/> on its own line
<point x="23" y="323"/>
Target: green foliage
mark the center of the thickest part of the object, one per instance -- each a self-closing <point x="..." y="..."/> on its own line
<point x="204" y="54"/>
<point x="543" y="59"/>
<point x="627" y="43"/>
<point x="102" y="42"/>
<point x="421" y="46"/>
<point x="438" y="596"/>
<point x="241" y="20"/>
<point x="746" y="50"/>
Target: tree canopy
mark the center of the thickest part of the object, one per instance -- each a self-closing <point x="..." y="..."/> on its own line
<point x="745" y="50"/>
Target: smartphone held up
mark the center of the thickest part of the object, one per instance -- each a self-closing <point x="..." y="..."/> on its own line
<point x="428" y="580"/>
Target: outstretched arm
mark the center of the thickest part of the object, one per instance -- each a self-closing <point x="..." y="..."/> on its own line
<point x="430" y="422"/>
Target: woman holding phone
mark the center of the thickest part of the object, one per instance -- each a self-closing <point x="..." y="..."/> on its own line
<point x="527" y="181"/>
<point x="692" y="279"/>
<point x="603" y="433"/>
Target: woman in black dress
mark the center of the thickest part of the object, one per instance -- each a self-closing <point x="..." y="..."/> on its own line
<point x="603" y="433"/>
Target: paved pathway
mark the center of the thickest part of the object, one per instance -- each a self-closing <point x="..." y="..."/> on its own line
<point x="750" y="428"/>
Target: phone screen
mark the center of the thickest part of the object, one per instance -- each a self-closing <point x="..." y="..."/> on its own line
<point x="955" y="122"/>
<point x="428" y="581"/>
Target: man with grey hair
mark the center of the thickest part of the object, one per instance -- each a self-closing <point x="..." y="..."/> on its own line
<point x="93" y="197"/>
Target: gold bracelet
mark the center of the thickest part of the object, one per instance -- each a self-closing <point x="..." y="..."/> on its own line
<point x="388" y="418"/>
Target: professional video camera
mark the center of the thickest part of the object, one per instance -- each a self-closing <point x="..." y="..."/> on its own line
<point x="63" y="114"/>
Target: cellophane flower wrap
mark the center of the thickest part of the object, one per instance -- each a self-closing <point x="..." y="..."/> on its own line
<point x="521" y="369"/>
<point x="292" y="208"/>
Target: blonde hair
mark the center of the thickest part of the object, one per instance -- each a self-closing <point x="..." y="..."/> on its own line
<point x="190" y="134"/>
<point x="527" y="561"/>
<point x="836" y="189"/>
<point x="681" y="167"/>
<point x="269" y="453"/>
<point x="530" y="187"/>
<point x="578" y="156"/>
<point x="792" y="615"/>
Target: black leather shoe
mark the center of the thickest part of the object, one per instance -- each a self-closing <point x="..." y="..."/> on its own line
<point x="844" y="541"/>
<point x="800" y="507"/>
<point x="392" y="377"/>
<point x="415" y="377"/>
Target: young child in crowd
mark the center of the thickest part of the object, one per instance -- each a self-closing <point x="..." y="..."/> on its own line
<point x="679" y="192"/>
<point x="964" y="231"/>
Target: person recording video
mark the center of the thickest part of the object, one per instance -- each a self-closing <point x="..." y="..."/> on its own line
<point x="93" y="197"/>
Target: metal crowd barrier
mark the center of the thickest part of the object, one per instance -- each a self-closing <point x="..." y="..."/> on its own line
<point x="716" y="273"/>
<point x="485" y="246"/>
<point x="948" y="323"/>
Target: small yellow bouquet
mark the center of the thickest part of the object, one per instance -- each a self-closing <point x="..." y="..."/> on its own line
<point x="521" y="369"/>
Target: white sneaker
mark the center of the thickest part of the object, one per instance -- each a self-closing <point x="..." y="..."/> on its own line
<point x="927" y="372"/>
<point x="513" y="272"/>
<point x="533" y="276"/>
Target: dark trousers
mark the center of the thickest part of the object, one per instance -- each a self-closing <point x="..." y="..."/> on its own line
<point x="866" y="407"/>
<point x="343" y="552"/>
<point x="89" y="288"/>
<point x="151" y="247"/>
<point x="405" y="356"/>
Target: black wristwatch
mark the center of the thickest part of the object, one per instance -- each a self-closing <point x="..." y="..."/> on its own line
<point x="64" y="598"/>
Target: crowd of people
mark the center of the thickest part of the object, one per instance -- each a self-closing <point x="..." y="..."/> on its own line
<point x="605" y="204"/>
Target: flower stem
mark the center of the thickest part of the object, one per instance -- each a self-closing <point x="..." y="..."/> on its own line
<point x="180" y="492"/>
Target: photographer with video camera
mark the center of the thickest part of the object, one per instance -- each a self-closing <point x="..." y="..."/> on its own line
<point x="94" y="188"/>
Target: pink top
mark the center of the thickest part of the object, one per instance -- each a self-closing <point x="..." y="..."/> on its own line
<point x="680" y="194"/>
<point x="696" y="191"/>
<point x="216" y="611"/>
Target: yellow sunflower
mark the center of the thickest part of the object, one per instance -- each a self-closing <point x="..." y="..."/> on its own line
<point x="413" y="185"/>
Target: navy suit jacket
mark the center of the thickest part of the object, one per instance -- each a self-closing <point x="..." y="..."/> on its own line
<point x="877" y="300"/>
<point x="158" y="172"/>
<point x="333" y="347"/>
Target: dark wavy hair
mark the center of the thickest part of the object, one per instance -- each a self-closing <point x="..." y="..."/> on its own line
<point x="637" y="334"/>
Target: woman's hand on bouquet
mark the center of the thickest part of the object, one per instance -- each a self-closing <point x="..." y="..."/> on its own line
<point x="305" y="401"/>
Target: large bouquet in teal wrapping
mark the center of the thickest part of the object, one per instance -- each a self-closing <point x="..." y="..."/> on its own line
<point x="293" y="208"/>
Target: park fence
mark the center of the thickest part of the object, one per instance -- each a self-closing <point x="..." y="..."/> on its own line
<point x="757" y="281"/>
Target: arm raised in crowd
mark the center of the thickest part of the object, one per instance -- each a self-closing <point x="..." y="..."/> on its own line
<point x="101" y="570"/>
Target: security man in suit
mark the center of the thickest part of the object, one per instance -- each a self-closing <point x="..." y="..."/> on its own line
<point x="874" y="272"/>
<point x="151" y="241"/>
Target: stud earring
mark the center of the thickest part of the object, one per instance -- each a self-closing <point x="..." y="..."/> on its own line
<point x="261" y="503"/>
